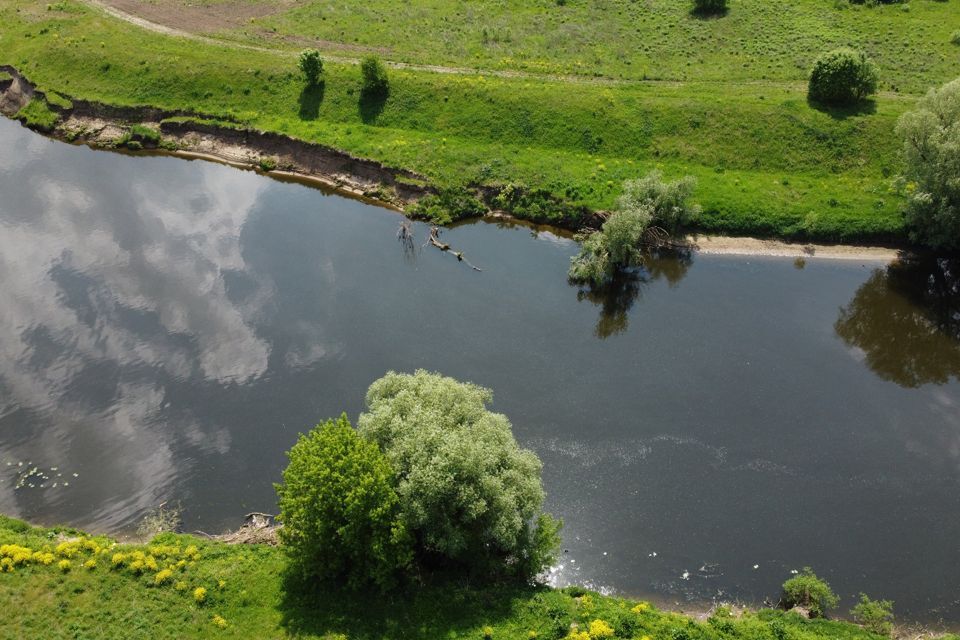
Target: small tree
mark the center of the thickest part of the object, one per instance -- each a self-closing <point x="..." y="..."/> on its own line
<point x="471" y="497"/>
<point x="709" y="7"/>
<point x="311" y="65"/>
<point x="374" y="80"/>
<point x="808" y="591"/>
<point x="931" y="136"/>
<point x="646" y="204"/>
<point x="875" y="615"/>
<point x="842" y="77"/>
<point x="340" y="511"/>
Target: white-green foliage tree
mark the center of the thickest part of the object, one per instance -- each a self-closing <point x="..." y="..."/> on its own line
<point x="470" y="495"/>
<point x="647" y="208"/>
<point x="931" y="135"/>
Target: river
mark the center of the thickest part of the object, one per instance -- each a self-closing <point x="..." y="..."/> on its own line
<point x="167" y="327"/>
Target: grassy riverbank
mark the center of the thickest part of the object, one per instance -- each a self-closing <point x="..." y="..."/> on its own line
<point x="151" y="591"/>
<point x="768" y="163"/>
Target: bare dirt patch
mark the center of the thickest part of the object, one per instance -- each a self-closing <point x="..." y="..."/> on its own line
<point x="200" y="17"/>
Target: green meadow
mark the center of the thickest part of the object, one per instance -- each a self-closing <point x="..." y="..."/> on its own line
<point x="62" y="583"/>
<point x="652" y="86"/>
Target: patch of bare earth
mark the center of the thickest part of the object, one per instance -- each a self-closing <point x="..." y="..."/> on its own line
<point x="195" y="17"/>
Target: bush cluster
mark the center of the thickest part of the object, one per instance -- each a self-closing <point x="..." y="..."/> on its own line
<point x="810" y="592"/>
<point x="448" y="205"/>
<point x="431" y="480"/>
<point x="620" y="244"/>
<point x="875" y="615"/>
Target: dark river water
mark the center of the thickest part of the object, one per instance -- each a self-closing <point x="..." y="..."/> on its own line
<point x="168" y="327"/>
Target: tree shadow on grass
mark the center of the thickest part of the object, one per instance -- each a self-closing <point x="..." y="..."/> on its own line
<point x="618" y="296"/>
<point x="709" y="14"/>
<point x="842" y="112"/>
<point x="371" y="105"/>
<point x="311" y="97"/>
<point x="443" y="609"/>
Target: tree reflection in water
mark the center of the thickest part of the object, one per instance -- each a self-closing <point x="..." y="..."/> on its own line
<point x="616" y="298"/>
<point x="906" y="321"/>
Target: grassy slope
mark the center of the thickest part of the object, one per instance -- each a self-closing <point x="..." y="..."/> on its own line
<point x="245" y="587"/>
<point x="767" y="162"/>
<point x="657" y="39"/>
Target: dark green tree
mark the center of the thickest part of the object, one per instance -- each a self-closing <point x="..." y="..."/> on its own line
<point x="842" y="77"/>
<point x="340" y="511"/>
<point x="311" y="65"/>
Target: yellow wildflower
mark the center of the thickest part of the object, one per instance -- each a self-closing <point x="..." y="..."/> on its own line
<point x="118" y="559"/>
<point x="64" y="565"/>
<point x="200" y="595"/>
<point x="162" y="577"/>
<point x="600" y="629"/>
<point x="219" y="622"/>
<point x="90" y="564"/>
<point x="180" y="586"/>
<point x="642" y="607"/>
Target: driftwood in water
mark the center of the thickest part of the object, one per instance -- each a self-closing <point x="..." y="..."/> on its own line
<point x="434" y="240"/>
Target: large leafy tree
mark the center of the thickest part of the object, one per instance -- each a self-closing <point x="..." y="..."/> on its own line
<point x="470" y="495"/>
<point x="340" y="511"/>
<point x="931" y="136"/>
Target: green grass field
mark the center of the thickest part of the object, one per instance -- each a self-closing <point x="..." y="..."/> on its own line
<point x="733" y="113"/>
<point x="130" y="591"/>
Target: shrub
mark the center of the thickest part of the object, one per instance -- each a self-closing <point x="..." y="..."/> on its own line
<point x="808" y="591"/>
<point x="311" y="66"/>
<point x="955" y="37"/>
<point x="267" y="164"/>
<point x="842" y="77"/>
<point x="448" y="205"/>
<point x="470" y="496"/>
<point x="931" y="136"/>
<point x="374" y="81"/>
<point x="339" y="509"/>
<point x="709" y="7"/>
<point x="620" y="243"/>
<point x="875" y="615"/>
<point x="670" y="209"/>
<point x="145" y="135"/>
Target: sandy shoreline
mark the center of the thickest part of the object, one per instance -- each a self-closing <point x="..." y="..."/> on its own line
<point x="736" y="246"/>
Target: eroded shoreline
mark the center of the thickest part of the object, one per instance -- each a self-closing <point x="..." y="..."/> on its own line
<point x="193" y="137"/>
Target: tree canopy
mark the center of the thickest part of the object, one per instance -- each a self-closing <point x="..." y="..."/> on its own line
<point x="471" y="496"/>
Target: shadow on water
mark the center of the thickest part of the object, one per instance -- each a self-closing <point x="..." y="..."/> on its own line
<point x="311" y="97"/>
<point x="906" y="321"/>
<point x="617" y="297"/>
<point x="442" y="610"/>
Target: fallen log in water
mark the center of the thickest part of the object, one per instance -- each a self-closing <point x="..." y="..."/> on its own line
<point x="434" y="240"/>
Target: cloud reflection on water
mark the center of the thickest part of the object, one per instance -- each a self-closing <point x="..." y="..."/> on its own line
<point x="108" y="290"/>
